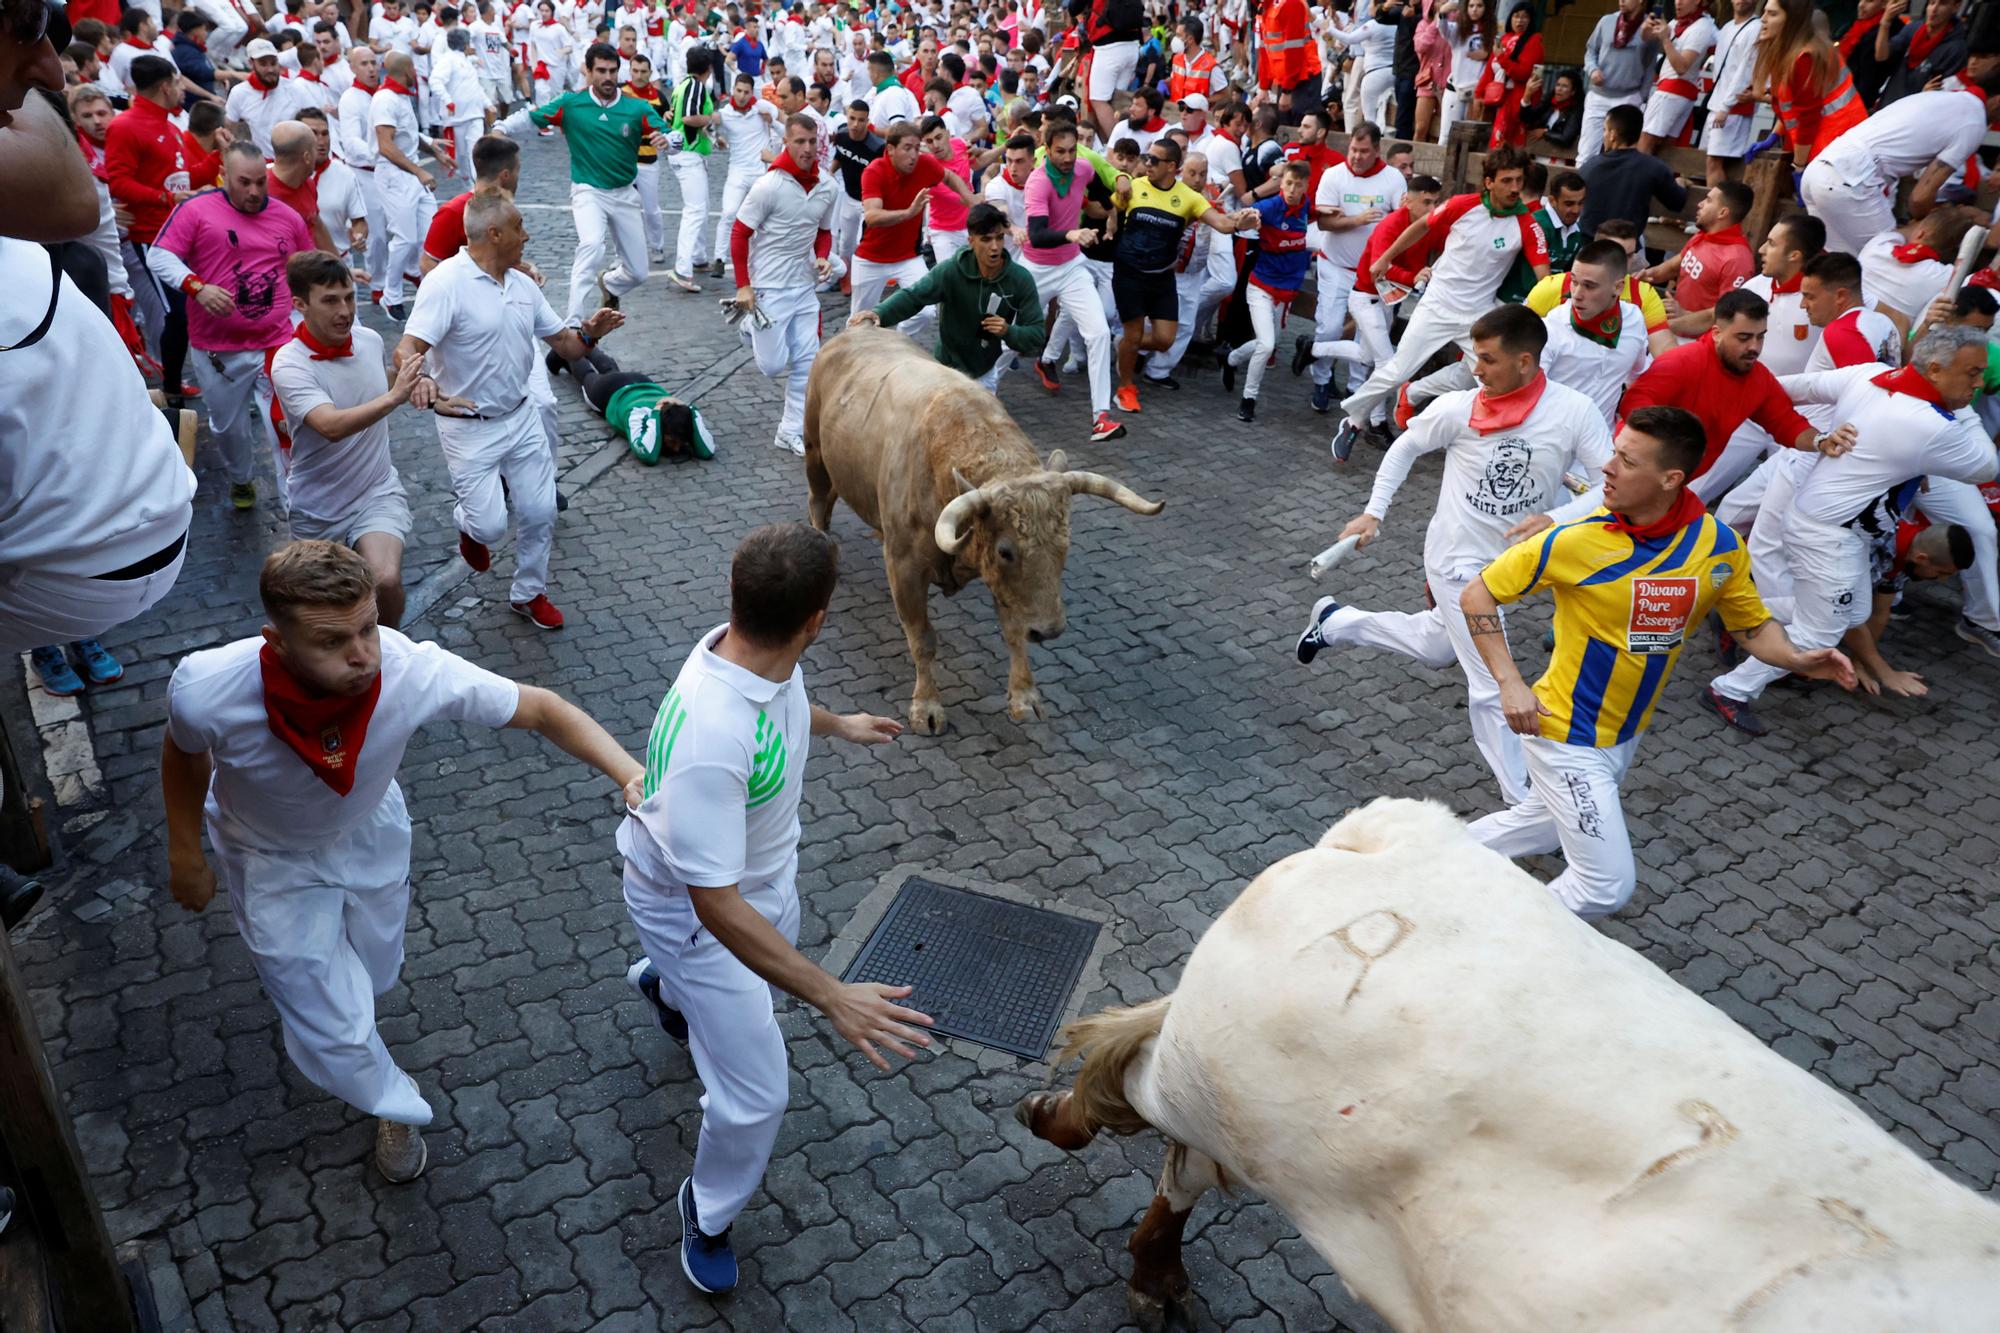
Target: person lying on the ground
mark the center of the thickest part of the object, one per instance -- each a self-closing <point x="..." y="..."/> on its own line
<point x="653" y="421"/>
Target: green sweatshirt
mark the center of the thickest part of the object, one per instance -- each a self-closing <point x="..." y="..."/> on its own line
<point x="964" y="298"/>
<point x="603" y="140"/>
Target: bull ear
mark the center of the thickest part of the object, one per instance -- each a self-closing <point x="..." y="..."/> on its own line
<point x="964" y="487"/>
<point x="1058" y="461"/>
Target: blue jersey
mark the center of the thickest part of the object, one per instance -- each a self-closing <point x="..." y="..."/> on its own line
<point x="1282" y="258"/>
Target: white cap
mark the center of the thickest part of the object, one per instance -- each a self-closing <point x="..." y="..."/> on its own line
<point x="260" y="49"/>
<point x="1195" y="102"/>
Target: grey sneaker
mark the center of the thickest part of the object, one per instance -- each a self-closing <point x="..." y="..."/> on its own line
<point x="1985" y="640"/>
<point x="400" y="1154"/>
<point x="606" y="300"/>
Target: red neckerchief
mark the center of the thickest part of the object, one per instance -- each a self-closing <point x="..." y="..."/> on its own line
<point x="370" y="88"/>
<point x="93" y="154"/>
<point x="1603" y="330"/>
<point x="642" y="91"/>
<point x="1686" y="511"/>
<point x="1731" y="234"/>
<point x="397" y="88"/>
<point x="1491" y="412"/>
<point x="1562" y="103"/>
<point x="1862" y="28"/>
<point x="807" y="177"/>
<point x="1909" y="380"/>
<point x="263" y="88"/>
<point x="1792" y="284"/>
<point x="1923" y="41"/>
<point x="326" y="732"/>
<point x="1352" y="170"/>
<point x="1682" y="25"/>
<point x="1913" y="253"/>
<point x="308" y="76"/>
<point x="132" y="39"/>
<point x="1622" y="35"/>
<point x="324" y="351"/>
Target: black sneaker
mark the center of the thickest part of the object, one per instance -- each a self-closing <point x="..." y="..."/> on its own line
<point x="562" y="503"/>
<point x="1323" y="398"/>
<point x="1247" y="410"/>
<point x="1310" y="642"/>
<point x="1985" y="640"/>
<point x="1344" y="436"/>
<point x="1228" y="371"/>
<point x="645" y="979"/>
<point x="1164" y="382"/>
<point x="1302" y="354"/>
<point x="1046" y="373"/>
<point x="399" y="313"/>
<point x="554" y="364"/>
<point x="1726" y="650"/>
<point x="1738" y="715"/>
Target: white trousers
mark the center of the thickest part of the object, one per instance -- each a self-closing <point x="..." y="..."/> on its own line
<point x="403" y="214"/>
<point x="105" y="242"/>
<point x="1072" y="283"/>
<point x="1371" y="326"/>
<point x="236" y="396"/>
<point x="739" y="1052"/>
<point x="1336" y="284"/>
<point x="325" y="932"/>
<point x="1729" y="136"/>
<point x="1197" y="296"/>
<point x="734" y="186"/>
<point x="1430" y="329"/>
<point x="1350" y="94"/>
<point x="788" y="347"/>
<point x="1949" y="501"/>
<point x="1451" y="379"/>
<point x="1736" y="461"/>
<point x="464" y="134"/>
<point x="649" y="207"/>
<point x="691" y="246"/>
<point x="1590" y="141"/>
<point x="605" y="220"/>
<point x="1255" y="356"/>
<point x="1451" y="110"/>
<point x="39" y="606"/>
<point x="1377" y="87"/>
<point x="376" y="257"/>
<point x="1574" y="806"/>
<point x="945" y="244"/>
<point x="1066" y="334"/>
<point x="482" y="454"/>
<point x="1435" y="637"/>
<point x="1856" y="206"/>
<point x="1831" y="594"/>
<point x="870" y="278"/>
<point x="542" y="396"/>
<point x="846" y="228"/>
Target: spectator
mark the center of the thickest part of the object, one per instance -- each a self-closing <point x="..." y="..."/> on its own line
<point x="1677" y="83"/>
<point x="1716" y="260"/>
<point x="191" y="54"/>
<point x="1811" y="90"/>
<point x="1560" y="216"/>
<point x="1515" y="56"/>
<point x="1918" y="53"/>
<point x="1618" y="61"/>
<point x="1857" y="50"/>
<point x="1622" y="182"/>
<point x="1559" y="119"/>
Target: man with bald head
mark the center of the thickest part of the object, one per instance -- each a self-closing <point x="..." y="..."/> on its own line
<point x="293" y="178"/>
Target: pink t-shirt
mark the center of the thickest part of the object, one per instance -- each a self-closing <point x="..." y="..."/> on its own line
<point x="244" y="254"/>
<point x="948" y="211"/>
<point x="1064" y="212"/>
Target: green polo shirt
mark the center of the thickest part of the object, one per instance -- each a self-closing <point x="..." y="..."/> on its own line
<point x="603" y="140"/>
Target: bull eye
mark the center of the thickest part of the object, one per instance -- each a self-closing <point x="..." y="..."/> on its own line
<point x="1006" y="551"/>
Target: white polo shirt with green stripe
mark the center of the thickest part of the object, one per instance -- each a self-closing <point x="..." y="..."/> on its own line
<point x="724" y="768"/>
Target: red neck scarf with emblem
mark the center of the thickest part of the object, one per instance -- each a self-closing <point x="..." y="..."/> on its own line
<point x="1909" y="380"/>
<point x="1914" y="254"/>
<point x="1603" y="330"/>
<point x="1503" y="411"/>
<point x="326" y="731"/>
<point x="324" y="351"/>
<point x="1686" y="510"/>
<point x="1682" y="25"/>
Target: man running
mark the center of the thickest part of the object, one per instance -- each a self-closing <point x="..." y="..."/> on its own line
<point x="711" y="878"/>
<point x="747" y="130"/>
<point x="895" y="189"/>
<point x="285" y="745"/>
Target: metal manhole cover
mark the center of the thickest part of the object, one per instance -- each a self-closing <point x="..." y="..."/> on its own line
<point x="986" y="969"/>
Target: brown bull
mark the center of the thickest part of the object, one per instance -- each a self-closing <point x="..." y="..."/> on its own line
<point x="933" y="463"/>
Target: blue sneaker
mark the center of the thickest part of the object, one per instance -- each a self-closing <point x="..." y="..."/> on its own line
<point x="1310" y="642"/>
<point x="643" y="977"/>
<point x="1344" y="436"/>
<point x="98" y="665"/>
<point x="1323" y="398"/>
<point x="707" y="1260"/>
<point x="58" y="676"/>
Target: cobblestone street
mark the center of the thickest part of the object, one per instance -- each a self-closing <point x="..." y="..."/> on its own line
<point x="1831" y="887"/>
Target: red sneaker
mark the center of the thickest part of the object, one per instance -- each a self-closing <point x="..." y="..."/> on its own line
<point x="1127" y="398"/>
<point x="541" y="611"/>
<point x="1404" y="409"/>
<point x="1047" y="375"/>
<point x="474" y="554"/>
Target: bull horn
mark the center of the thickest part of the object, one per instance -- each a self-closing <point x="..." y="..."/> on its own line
<point x="1096" y="483"/>
<point x="949" y="532"/>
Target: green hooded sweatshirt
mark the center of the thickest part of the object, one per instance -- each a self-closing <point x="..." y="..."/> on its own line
<point x="963" y="299"/>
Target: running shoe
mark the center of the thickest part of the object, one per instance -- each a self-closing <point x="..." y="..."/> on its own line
<point x="541" y="611"/>
<point x="682" y="281"/>
<point x="1046" y="373"/>
<point x="244" y="495"/>
<point x="1312" y="640"/>
<point x="1406" y="411"/>
<point x="644" y="978"/>
<point x="1737" y="713"/>
<point x="99" y="666"/>
<point x="709" y="1261"/>
<point x="1302" y="354"/>
<point x="1127" y="398"/>
<point x="474" y="554"/>
<point x="1247" y="410"/>
<point x="1985" y="640"/>
<point x="59" y="678"/>
<point x="1323" y="397"/>
<point x="1105" y="428"/>
<point x="1344" y="437"/>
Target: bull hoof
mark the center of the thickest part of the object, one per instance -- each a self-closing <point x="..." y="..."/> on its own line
<point x="927" y="717"/>
<point x="1148" y="1312"/>
<point x="1033" y="1107"/>
<point x="1023" y="705"/>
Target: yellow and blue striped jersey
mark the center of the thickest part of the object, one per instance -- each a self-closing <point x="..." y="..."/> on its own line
<point x="1623" y="610"/>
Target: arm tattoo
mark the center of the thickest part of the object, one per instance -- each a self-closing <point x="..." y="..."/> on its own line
<point x="1747" y="634"/>
<point x="1482" y="625"/>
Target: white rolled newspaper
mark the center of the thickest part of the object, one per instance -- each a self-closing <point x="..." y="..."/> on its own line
<point x="1333" y="555"/>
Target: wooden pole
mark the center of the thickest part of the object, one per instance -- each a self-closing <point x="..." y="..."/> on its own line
<point x="55" y="1205"/>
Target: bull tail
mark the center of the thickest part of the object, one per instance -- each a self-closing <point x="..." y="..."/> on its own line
<point x="1109" y="1041"/>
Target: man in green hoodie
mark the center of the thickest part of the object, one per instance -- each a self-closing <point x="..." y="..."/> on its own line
<point x="987" y="304"/>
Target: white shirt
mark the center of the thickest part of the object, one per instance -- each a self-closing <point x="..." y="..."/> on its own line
<point x="1791" y="337"/>
<point x="1698" y="40"/>
<point x="966" y="108"/>
<point x="263" y="795"/>
<point x="1491" y="482"/>
<point x="1600" y="373"/>
<point x="399" y="113"/>
<point x="1907" y="289"/>
<point x="750" y="132"/>
<point x="107" y="487"/>
<point x="1343" y="192"/>
<point x="456" y="91"/>
<point x="330" y="479"/>
<point x="260" y="110"/>
<point x="724" y="770"/>
<point x="888" y="105"/>
<point x="1225" y="156"/>
<point x="550" y="44"/>
<point x="1477" y="255"/>
<point x="354" y="129"/>
<point x="398" y="34"/>
<point x="340" y="201"/>
<point x="338" y="78"/>
<point x="1731" y="64"/>
<point x="1010" y="199"/>
<point x="784" y="221"/>
<point x="1909" y="134"/>
<point x="489" y="42"/>
<point x="482" y="335"/>
<point x="1899" y="438"/>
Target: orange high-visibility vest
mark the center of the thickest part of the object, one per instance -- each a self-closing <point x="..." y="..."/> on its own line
<point x="1839" y="111"/>
<point x="1284" y="42"/>
<point x="1192" y="73"/>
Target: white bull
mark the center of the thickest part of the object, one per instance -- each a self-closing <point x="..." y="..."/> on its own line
<point x="1489" y="1117"/>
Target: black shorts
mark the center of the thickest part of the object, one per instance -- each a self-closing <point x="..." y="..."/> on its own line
<point x="1145" y="295"/>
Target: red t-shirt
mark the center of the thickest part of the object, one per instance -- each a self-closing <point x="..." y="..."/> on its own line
<point x="1693" y="376"/>
<point x="1317" y="156"/>
<point x="304" y="200"/>
<point x="1714" y="263"/>
<point x="1403" y="269"/>
<point x="447" y="234"/>
<point x="881" y="180"/>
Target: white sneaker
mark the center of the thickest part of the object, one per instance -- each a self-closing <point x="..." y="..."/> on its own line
<point x="400" y="1154"/>
<point x="784" y="439"/>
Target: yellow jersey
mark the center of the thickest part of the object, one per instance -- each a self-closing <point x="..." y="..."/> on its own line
<point x="1623" y="610"/>
<point x="1553" y="290"/>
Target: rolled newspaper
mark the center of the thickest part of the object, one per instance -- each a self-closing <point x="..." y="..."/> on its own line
<point x="1968" y="255"/>
<point x="1333" y="555"/>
